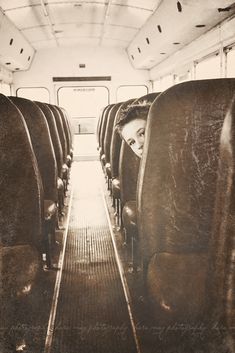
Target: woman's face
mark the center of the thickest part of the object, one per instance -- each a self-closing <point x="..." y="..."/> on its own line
<point x="133" y="133"/>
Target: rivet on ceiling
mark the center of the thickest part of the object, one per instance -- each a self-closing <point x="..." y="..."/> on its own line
<point x="147" y="40"/>
<point x="11" y="41"/>
<point x="139" y="50"/>
<point x="159" y="28"/>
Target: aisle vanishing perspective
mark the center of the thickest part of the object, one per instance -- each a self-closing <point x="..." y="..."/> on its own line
<point x="92" y="313"/>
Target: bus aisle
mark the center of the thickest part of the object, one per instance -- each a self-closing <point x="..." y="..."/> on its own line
<point x="91" y="313"/>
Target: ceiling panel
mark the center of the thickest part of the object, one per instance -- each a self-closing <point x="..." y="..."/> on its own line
<point x="38" y="33"/>
<point x="44" y="44"/>
<point x="27" y="17"/>
<point x="13" y="4"/>
<point x="73" y="30"/>
<point x="72" y="42"/>
<point x="64" y="13"/>
<point x="146" y="4"/>
<point x="127" y="16"/>
<point x="114" y="43"/>
<point x="118" y="32"/>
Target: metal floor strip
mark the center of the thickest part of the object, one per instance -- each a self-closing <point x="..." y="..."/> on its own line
<point x="92" y="313"/>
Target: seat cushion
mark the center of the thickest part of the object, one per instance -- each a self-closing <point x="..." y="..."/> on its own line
<point x="129" y="217"/>
<point x="60" y="184"/>
<point x="50" y="209"/>
<point x="116" y="188"/>
<point x="108" y="170"/>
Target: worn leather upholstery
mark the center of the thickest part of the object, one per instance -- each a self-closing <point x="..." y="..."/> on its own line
<point x="60" y="129"/>
<point x="70" y="130"/>
<point x="21" y="205"/>
<point x="42" y="144"/>
<point x="108" y="138"/>
<point x="21" y="209"/>
<point x="54" y="135"/>
<point x="178" y="222"/>
<point x="128" y="173"/>
<point x="67" y="136"/>
<point x="102" y="133"/>
<point x="115" y="151"/>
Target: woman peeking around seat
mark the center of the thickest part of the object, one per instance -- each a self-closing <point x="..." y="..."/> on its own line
<point x="132" y="124"/>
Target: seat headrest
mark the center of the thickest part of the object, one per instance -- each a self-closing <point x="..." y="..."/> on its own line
<point x="177" y="180"/>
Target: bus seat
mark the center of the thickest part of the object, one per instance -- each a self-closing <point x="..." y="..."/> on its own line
<point x="70" y="131"/>
<point x="98" y="128"/>
<point x="21" y="205"/>
<point x="67" y="137"/>
<point x="107" y="141"/>
<point x="57" y="150"/>
<point x="176" y="199"/>
<point x="102" y="133"/>
<point x="114" y="159"/>
<point x="42" y="144"/>
<point x="128" y="175"/>
<point x="65" y="169"/>
<point x="44" y="152"/>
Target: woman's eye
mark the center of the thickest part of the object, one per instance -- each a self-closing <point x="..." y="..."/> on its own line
<point x="131" y="143"/>
<point x="142" y="132"/>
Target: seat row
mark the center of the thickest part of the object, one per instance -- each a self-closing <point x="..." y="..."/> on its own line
<point x="177" y="204"/>
<point x="36" y="145"/>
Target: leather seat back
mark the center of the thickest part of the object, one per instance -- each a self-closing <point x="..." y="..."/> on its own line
<point x="116" y="140"/>
<point x="54" y="135"/>
<point x="42" y="144"/>
<point x="129" y="162"/>
<point x="60" y="129"/>
<point x="21" y="205"/>
<point x="109" y="131"/>
<point x="177" y="196"/>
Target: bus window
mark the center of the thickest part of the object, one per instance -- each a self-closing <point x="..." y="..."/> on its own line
<point x="77" y="101"/>
<point x="208" y="67"/>
<point x="40" y="94"/>
<point x="127" y="92"/>
<point x="5" y="89"/>
<point x="157" y="86"/>
<point x="230" y="62"/>
<point x="183" y="77"/>
<point x="166" y="82"/>
<point x="83" y="104"/>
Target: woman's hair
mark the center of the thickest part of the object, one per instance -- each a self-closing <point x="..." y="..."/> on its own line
<point x="135" y="111"/>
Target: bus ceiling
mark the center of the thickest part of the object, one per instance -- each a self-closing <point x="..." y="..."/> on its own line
<point x="149" y="31"/>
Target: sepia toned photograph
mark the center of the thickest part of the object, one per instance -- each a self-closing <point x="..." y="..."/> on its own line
<point x="117" y="176"/>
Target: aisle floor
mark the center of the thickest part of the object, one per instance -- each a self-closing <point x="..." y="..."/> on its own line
<point x="92" y="313"/>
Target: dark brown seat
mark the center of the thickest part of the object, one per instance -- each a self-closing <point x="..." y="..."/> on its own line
<point x="102" y="133"/>
<point x="21" y="209"/>
<point x="44" y="152"/>
<point x="98" y="128"/>
<point x="57" y="150"/>
<point x="114" y="159"/>
<point x="107" y="141"/>
<point x="128" y="175"/>
<point x="178" y="221"/>
<point x="67" y="135"/>
<point x="60" y="129"/>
